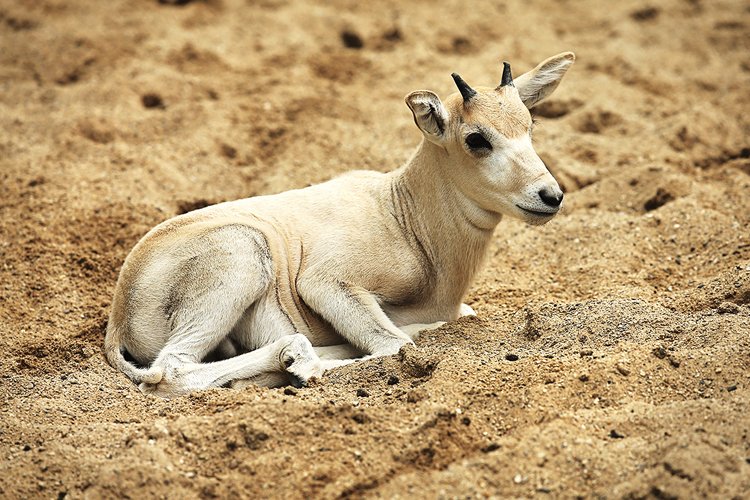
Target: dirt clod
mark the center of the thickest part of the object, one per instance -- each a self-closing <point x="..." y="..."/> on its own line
<point x="615" y="435"/>
<point x="728" y="308"/>
<point x="352" y="40"/>
<point x="645" y="14"/>
<point x="152" y="101"/>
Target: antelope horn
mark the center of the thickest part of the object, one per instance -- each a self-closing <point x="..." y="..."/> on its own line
<point x="507" y="77"/>
<point x="466" y="92"/>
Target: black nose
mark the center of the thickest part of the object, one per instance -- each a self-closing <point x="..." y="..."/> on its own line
<point x="552" y="197"/>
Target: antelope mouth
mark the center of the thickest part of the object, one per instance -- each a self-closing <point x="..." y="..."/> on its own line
<point x="538" y="213"/>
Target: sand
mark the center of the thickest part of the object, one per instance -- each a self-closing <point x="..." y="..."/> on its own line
<point x="611" y="353"/>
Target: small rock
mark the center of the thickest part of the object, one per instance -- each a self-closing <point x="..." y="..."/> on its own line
<point x="583" y="378"/>
<point x="393" y="380"/>
<point x="490" y="447"/>
<point x="290" y="391"/>
<point x="362" y="393"/>
<point x="586" y="352"/>
<point x="511" y="357"/>
<point x="622" y="369"/>
<point x="659" y="352"/>
<point x="615" y="435"/>
<point x="674" y="361"/>
<point x="645" y="14"/>
<point x="152" y="101"/>
<point x="466" y="421"/>
<point x="728" y="308"/>
<point x="351" y="40"/>
<point x="732" y="388"/>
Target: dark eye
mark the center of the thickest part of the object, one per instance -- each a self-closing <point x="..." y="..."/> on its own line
<point x="477" y="141"/>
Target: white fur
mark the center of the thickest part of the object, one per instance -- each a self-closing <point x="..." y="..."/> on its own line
<point x="280" y="288"/>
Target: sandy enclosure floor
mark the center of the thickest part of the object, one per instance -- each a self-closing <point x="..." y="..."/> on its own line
<point x="611" y="355"/>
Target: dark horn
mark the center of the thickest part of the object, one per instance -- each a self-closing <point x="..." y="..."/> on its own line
<point x="507" y="77"/>
<point x="466" y="92"/>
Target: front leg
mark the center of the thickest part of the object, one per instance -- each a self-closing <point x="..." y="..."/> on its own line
<point x="354" y="313"/>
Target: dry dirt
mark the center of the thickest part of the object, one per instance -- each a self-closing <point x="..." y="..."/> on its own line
<point x="611" y="355"/>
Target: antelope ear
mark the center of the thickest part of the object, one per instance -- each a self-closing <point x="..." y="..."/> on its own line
<point x="536" y="85"/>
<point x="429" y="114"/>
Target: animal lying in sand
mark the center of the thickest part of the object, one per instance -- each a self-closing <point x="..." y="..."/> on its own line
<point x="276" y="289"/>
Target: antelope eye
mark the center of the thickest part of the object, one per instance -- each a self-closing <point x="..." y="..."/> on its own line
<point x="477" y="141"/>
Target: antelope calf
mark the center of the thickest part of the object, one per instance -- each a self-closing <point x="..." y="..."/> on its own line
<point x="276" y="289"/>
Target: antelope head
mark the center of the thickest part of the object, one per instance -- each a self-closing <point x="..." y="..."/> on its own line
<point x="484" y="134"/>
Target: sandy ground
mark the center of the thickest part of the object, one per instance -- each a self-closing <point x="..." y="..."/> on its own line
<point x="611" y="355"/>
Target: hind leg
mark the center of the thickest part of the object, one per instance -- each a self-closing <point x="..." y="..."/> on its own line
<point x="291" y="355"/>
<point x="219" y="276"/>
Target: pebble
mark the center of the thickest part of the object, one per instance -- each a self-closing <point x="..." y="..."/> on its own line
<point x="615" y="435"/>
<point x="511" y="357"/>
<point x="583" y="378"/>
<point x="393" y="380"/>
<point x="622" y="369"/>
<point x="362" y="393"/>
<point x="490" y="447"/>
<point x="290" y="391"/>
<point x="659" y="352"/>
<point x="732" y="388"/>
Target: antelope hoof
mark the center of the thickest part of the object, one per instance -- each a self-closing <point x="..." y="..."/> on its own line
<point x="299" y="361"/>
<point x="466" y="310"/>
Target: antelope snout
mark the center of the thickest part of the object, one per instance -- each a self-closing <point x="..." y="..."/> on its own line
<point x="540" y="201"/>
<point x="552" y="196"/>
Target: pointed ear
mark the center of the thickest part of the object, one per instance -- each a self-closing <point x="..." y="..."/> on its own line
<point x="429" y="114"/>
<point x="540" y="82"/>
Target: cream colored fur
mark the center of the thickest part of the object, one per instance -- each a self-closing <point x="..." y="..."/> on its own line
<point x="279" y="288"/>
